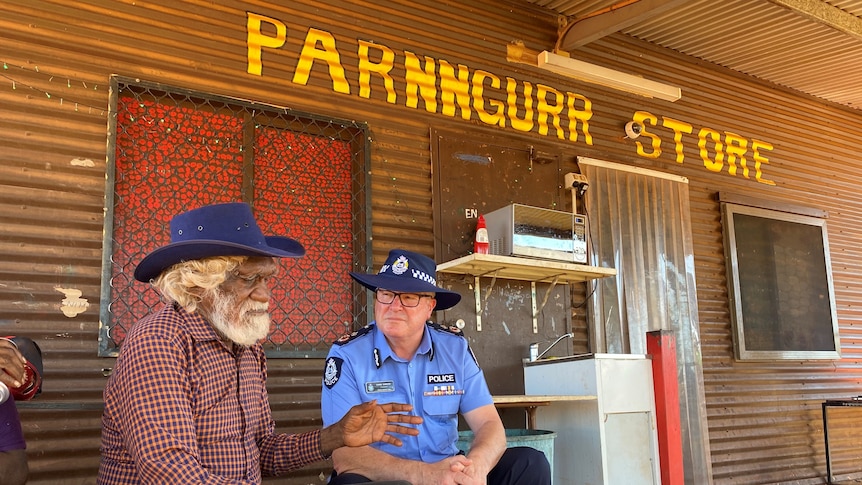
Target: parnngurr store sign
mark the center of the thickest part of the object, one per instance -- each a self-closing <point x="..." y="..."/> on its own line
<point x="474" y="94"/>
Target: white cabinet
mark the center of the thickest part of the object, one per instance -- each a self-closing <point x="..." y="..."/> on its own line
<point x="611" y="440"/>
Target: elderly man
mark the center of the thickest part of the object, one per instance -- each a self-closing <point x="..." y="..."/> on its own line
<point x="403" y="357"/>
<point x="187" y="399"/>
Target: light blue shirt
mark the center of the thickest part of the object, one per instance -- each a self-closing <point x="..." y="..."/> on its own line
<point x="440" y="381"/>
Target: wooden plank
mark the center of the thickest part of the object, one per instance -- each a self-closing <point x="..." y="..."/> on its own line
<point x="538" y="400"/>
<point x="530" y="403"/>
<point x="492" y="265"/>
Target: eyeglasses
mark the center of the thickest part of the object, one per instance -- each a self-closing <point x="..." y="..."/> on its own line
<point x="252" y="280"/>
<point x="408" y="300"/>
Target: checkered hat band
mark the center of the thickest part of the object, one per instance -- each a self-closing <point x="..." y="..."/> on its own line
<point x="417" y="275"/>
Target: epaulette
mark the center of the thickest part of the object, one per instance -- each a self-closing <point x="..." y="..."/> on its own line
<point x="454" y="331"/>
<point x="352" y="336"/>
<point x="448" y="328"/>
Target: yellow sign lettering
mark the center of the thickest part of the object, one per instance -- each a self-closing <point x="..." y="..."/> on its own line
<point x="735" y="146"/>
<point x="421" y="82"/>
<point x="455" y="89"/>
<point x="516" y="103"/>
<point x="545" y="110"/>
<point x="497" y="118"/>
<point x="255" y="40"/>
<point x="757" y="147"/>
<point x="579" y="115"/>
<point x="328" y="54"/>
<point x="525" y="123"/>
<point x="381" y="68"/>
<point x="678" y="127"/>
<point x="704" y="136"/>
<point x="643" y="118"/>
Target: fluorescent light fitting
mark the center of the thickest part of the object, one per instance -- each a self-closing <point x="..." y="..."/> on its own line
<point x="591" y="73"/>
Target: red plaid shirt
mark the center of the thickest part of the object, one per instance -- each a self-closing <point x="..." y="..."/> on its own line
<point x="182" y="407"/>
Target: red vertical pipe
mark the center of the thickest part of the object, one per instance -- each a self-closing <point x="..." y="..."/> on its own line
<point x="661" y="347"/>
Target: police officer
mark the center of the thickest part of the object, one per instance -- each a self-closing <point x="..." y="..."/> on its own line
<point x="403" y="357"/>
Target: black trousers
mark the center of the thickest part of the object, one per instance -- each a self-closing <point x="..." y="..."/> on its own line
<point x="518" y="466"/>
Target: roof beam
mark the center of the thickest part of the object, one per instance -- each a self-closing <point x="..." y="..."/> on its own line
<point x="593" y="26"/>
<point x="826" y="14"/>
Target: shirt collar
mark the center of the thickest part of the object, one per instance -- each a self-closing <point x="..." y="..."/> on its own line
<point x="382" y="350"/>
<point x="201" y="330"/>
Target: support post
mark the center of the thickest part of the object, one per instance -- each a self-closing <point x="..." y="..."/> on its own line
<point x="661" y="347"/>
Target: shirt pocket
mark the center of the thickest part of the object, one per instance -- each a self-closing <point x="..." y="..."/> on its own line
<point x="441" y="412"/>
<point x="442" y="407"/>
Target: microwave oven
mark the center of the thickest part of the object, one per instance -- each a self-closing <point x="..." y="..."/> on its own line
<point x="534" y="232"/>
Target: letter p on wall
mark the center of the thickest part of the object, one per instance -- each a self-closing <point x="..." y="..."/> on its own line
<point x="256" y="40"/>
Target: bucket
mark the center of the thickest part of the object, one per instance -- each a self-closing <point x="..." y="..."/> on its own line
<point x="539" y="439"/>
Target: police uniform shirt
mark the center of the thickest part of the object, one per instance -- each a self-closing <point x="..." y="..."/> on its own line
<point x="442" y="380"/>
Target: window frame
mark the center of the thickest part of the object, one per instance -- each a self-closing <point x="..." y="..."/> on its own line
<point x="730" y="207"/>
<point x="360" y="187"/>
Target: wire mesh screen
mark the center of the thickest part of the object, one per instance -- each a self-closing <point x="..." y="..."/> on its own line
<point x="172" y="150"/>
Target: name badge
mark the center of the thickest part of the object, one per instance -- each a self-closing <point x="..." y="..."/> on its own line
<point x="379" y="386"/>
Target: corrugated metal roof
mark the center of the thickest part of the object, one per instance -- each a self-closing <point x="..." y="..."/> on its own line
<point x="760" y="38"/>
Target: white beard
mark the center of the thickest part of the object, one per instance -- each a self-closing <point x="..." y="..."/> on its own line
<point x="244" y="325"/>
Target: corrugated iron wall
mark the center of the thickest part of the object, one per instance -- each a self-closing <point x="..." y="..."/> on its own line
<point x="764" y="418"/>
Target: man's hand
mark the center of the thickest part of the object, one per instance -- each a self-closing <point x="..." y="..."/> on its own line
<point x="11" y="364"/>
<point x="369" y="422"/>
<point x="448" y="471"/>
<point x="465" y="472"/>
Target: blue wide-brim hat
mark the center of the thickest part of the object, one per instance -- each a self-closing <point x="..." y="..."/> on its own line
<point x="215" y="230"/>
<point x="409" y="272"/>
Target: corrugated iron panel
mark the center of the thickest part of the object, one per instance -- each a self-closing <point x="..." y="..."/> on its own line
<point x="792" y="51"/>
<point x="756" y="37"/>
<point x="764" y="418"/>
<point x="853" y="7"/>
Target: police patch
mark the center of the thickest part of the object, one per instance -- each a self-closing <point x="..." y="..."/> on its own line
<point x="332" y="371"/>
<point x="441" y="378"/>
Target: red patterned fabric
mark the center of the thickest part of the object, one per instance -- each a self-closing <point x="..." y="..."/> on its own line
<point x="319" y="199"/>
<point x="170" y="159"/>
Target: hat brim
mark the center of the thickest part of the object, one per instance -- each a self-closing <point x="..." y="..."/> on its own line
<point x="445" y="299"/>
<point x="164" y="257"/>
